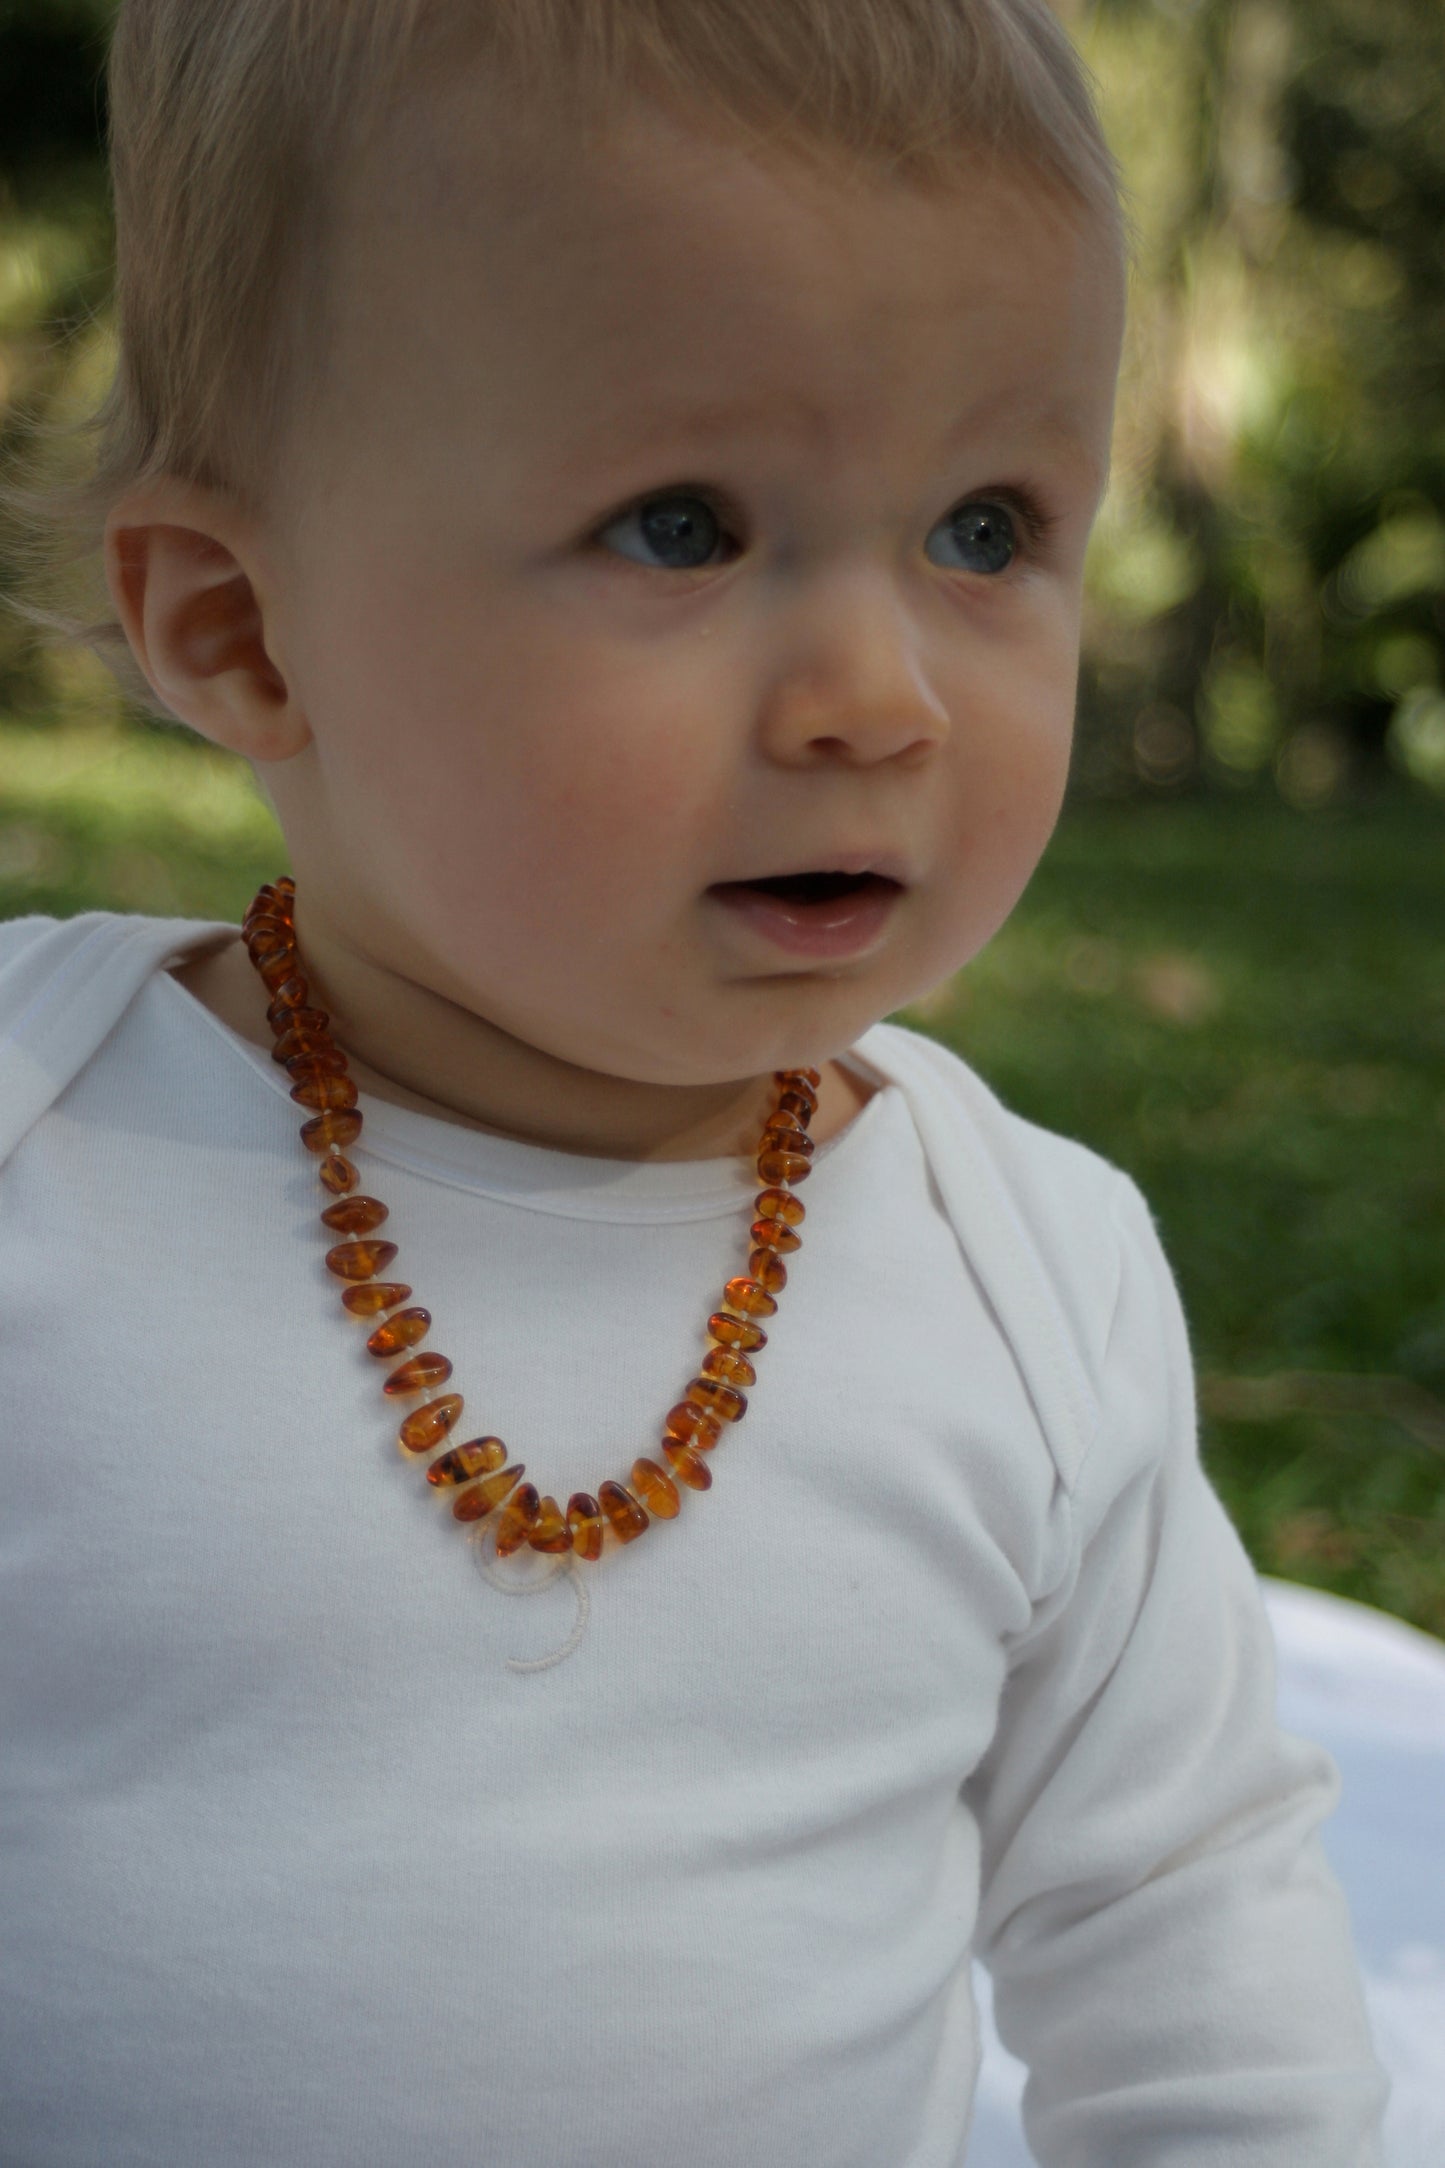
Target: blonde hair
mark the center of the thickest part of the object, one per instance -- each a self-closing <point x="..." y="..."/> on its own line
<point x="233" y="124"/>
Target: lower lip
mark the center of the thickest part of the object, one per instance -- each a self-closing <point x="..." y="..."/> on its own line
<point x="841" y="928"/>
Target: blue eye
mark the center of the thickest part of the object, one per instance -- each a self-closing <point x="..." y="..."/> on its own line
<point x="984" y="535"/>
<point x="683" y="530"/>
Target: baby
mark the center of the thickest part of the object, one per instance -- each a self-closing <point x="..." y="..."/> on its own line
<point x="620" y="471"/>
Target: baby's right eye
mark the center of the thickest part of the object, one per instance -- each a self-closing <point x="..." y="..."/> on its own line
<point x="681" y="526"/>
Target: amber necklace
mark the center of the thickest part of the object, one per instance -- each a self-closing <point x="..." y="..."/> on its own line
<point x="478" y="1471"/>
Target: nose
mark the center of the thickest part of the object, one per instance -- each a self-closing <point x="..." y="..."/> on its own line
<point x="851" y="682"/>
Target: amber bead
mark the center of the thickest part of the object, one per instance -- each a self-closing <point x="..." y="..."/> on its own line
<point x="790" y="1140"/>
<point x="337" y="1174"/>
<point x="783" y="1076"/>
<point x="693" y="1426"/>
<point x="355" y="1215"/>
<point x="723" y="1401"/>
<point x="623" y="1512"/>
<point x="655" y="1487"/>
<point x="320" y="1090"/>
<point x="584" y="1518"/>
<point x="374" y="1297"/>
<point x="475" y="1504"/>
<point x="768" y="1269"/>
<point x="313" y="1047"/>
<point x="746" y="1295"/>
<point x="777" y="1165"/>
<point x="323" y="1130"/>
<point x="516" y="1520"/>
<point x="479" y="1456"/>
<point x="780" y="1204"/>
<point x="263" y="918"/>
<point x="268" y="939"/>
<point x="736" y="1332"/>
<point x="795" y="1103"/>
<point x="687" y="1464"/>
<point x="788" y="1124"/>
<point x="721" y="1362"/>
<point x="278" y="969"/>
<point x="292" y="993"/>
<point x="322" y="1055"/>
<point x="400" y="1332"/>
<point x="774" y="1234"/>
<point x="429" y="1425"/>
<point x="359" y="1260"/>
<point x="550" y="1532"/>
<point x="419" y="1375"/>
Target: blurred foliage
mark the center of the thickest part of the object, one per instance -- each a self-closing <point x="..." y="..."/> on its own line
<point x="1267" y="582"/>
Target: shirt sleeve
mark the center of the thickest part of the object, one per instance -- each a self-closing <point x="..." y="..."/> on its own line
<point x="1171" y="1954"/>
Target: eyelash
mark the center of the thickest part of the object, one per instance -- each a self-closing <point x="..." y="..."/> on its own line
<point x="1037" y="521"/>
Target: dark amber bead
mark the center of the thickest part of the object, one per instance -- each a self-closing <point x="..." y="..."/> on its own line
<point x="480" y="1456"/>
<point x="768" y="1269"/>
<point x="788" y="1140"/>
<point x="359" y="1260"/>
<point x="355" y="1215"/>
<point x="267" y="936"/>
<point x="320" y="1090"/>
<point x="376" y="1296"/>
<point x="516" y="1519"/>
<point x="655" y="1487"/>
<point x="584" y="1518"/>
<point x="787" y="1125"/>
<point x="419" y="1375"/>
<point x="483" y="1498"/>
<point x="323" y="1130"/>
<point x="550" y="1532"/>
<point x="777" y="1165"/>
<point x="774" y="1234"/>
<point x="321" y="1055"/>
<point x="693" y="1426"/>
<point x="746" y="1295"/>
<point x="278" y="969"/>
<point x="429" y="1425"/>
<point x="400" y="1332"/>
<point x="723" y="1401"/>
<point x="625" y="1515"/>
<point x="312" y="1047"/>
<point x="780" y="1204"/>
<point x="736" y="1332"/>
<point x="687" y="1464"/>
<point x="721" y="1362"/>
<point x="337" y="1174"/>
<point x="292" y="993"/>
<point x="795" y="1103"/>
<point x="813" y="1076"/>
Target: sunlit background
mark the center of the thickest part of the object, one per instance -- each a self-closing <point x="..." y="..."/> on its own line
<point x="1229" y="975"/>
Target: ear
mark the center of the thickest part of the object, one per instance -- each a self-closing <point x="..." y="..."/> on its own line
<point x="188" y="578"/>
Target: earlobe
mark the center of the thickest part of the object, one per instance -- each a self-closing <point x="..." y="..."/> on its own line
<point x="187" y="579"/>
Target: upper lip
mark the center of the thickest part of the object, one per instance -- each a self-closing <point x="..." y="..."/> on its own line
<point x="887" y="864"/>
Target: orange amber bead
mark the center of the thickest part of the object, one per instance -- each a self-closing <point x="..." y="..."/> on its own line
<point x="721" y="1362"/>
<point x="774" y="1234"/>
<point x="323" y="1055"/>
<point x="355" y="1215"/>
<point x="687" y="1464"/>
<point x="723" y="1401"/>
<point x="623" y="1512"/>
<point x="295" y="1043"/>
<point x="777" y="1165"/>
<point x="655" y="1487"/>
<point x="768" y="1269"/>
<point x="516" y="1520"/>
<point x="475" y="1504"/>
<point x="399" y="1332"/>
<point x="375" y="1296"/>
<point x="359" y="1260"/>
<point x="584" y="1518"/>
<point x="323" y="1130"/>
<point x="795" y="1103"/>
<point x="787" y="1123"/>
<point x="736" y="1331"/>
<point x="780" y="1204"/>
<point x="278" y="968"/>
<point x="783" y="1076"/>
<point x="789" y="1140"/>
<point x="550" y="1532"/>
<point x="429" y="1425"/>
<point x="292" y="993"/>
<point x="480" y="1456"/>
<point x="693" y="1426"/>
<point x="746" y="1295"/>
<point x="419" y="1375"/>
<point x="337" y="1174"/>
<point x="317" y="1089"/>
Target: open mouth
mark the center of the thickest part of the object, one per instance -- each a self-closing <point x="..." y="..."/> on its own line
<point x="813" y="888"/>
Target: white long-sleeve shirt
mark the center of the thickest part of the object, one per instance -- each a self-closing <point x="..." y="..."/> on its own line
<point x="959" y="1654"/>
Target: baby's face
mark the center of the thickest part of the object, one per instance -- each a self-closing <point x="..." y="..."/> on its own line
<point x="672" y="524"/>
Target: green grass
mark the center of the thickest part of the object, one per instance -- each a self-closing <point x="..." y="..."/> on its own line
<point x="1242" y="1005"/>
